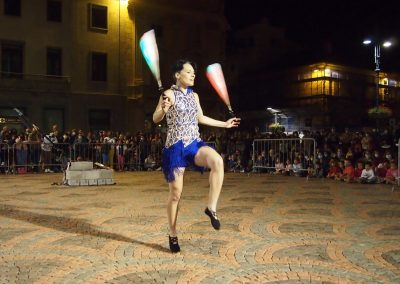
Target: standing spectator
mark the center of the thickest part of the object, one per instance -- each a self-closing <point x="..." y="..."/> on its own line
<point x="121" y="149"/>
<point x="46" y="157"/>
<point x="34" y="149"/>
<point x="21" y="154"/>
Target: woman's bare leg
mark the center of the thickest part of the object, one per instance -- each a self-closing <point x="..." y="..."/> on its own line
<point x="175" y="191"/>
<point x="208" y="157"/>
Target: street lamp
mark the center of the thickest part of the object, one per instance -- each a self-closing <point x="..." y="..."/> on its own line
<point x="377" y="56"/>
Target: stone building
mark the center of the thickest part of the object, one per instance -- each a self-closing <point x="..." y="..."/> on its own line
<point x="77" y="63"/>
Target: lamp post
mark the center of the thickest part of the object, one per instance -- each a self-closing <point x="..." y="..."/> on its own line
<point x="377" y="57"/>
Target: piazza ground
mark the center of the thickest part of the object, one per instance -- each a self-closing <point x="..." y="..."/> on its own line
<point x="274" y="229"/>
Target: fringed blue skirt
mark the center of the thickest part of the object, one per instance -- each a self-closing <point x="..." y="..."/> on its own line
<point x="177" y="156"/>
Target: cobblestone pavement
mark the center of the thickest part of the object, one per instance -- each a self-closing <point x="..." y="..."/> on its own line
<point x="274" y="230"/>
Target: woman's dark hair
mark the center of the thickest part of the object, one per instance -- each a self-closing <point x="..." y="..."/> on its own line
<point x="178" y="66"/>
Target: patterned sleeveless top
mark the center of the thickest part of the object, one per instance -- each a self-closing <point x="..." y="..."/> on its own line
<point x="182" y="119"/>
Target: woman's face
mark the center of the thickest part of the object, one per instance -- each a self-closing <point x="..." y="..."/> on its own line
<point x="185" y="77"/>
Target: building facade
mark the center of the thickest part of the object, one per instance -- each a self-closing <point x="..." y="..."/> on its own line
<point x="77" y="63"/>
<point x="325" y="94"/>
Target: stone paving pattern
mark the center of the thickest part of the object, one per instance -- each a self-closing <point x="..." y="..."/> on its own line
<point x="274" y="230"/>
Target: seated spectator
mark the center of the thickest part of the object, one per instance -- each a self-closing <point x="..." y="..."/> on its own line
<point x="279" y="166"/>
<point x="288" y="168"/>
<point x="238" y="166"/>
<point x="348" y="172"/>
<point x="297" y="168"/>
<point x="315" y="171"/>
<point x="334" y="170"/>
<point x="358" y="170"/>
<point x="341" y="169"/>
<point x="150" y="163"/>
<point x="388" y="155"/>
<point x="231" y="163"/>
<point x="367" y="157"/>
<point x="349" y="154"/>
<point x="368" y="175"/>
<point x="380" y="171"/>
<point x="392" y="174"/>
<point x="376" y="159"/>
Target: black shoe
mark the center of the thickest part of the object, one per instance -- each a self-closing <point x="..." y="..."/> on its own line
<point x="214" y="219"/>
<point x="174" y="245"/>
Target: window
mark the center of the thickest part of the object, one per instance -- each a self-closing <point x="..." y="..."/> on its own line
<point x="99" y="119"/>
<point x="12" y="7"/>
<point x="54" y="61"/>
<point x="99" y="66"/>
<point x="12" y="60"/>
<point x="54" y="10"/>
<point x="97" y="17"/>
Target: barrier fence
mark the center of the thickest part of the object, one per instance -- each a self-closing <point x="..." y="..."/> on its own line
<point x="44" y="157"/>
<point x="267" y="153"/>
<point x="398" y="162"/>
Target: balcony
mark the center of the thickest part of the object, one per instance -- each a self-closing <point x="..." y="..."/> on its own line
<point x="20" y="82"/>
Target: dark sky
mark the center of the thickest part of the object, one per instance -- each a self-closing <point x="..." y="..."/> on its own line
<point x="333" y="30"/>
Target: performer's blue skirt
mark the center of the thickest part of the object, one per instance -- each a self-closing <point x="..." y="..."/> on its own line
<point x="177" y="156"/>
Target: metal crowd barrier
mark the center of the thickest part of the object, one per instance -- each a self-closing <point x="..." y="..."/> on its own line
<point x="37" y="157"/>
<point x="267" y="151"/>
<point x="4" y="158"/>
<point x="32" y="157"/>
<point x="134" y="156"/>
<point x="398" y="162"/>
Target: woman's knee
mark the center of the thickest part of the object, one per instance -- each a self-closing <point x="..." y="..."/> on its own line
<point x="175" y="193"/>
<point x="217" y="163"/>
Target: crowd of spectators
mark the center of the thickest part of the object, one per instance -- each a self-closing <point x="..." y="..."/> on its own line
<point x="365" y="155"/>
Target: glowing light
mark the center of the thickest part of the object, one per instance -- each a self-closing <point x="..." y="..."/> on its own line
<point x="367" y="41"/>
<point x="387" y="44"/>
<point x="216" y="77"/>
<point x="148" y="46"/>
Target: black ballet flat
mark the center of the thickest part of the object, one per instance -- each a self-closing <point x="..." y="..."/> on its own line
<point x="214" y="218"/>
<point x="174" y="245"/>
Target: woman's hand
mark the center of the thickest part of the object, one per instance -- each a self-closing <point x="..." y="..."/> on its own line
<point x="233" y="122"/>
<point x="166" y="104"/>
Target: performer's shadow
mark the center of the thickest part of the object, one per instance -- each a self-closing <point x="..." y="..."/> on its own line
<point x="68" y="225"/>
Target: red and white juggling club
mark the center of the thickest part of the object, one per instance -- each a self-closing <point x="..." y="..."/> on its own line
<point x="216" y="77"/>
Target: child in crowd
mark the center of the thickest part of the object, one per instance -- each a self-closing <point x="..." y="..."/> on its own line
<point x="358" y="170"/>
<point x="380" y="171"/>
<point x="368" y="175"/>
<point x="279" y="166"/>
<point x="348" y="172"/>
<point x="315" y="171"/>
<point x="288" y="168"/>
<point x="334" y="170"/>
<point x="392" y="174"/>
<point x="297" y="167"/>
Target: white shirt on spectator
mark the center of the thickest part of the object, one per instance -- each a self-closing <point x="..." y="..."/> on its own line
<point x="368" y="174"/>
<point x="46" y="144"/>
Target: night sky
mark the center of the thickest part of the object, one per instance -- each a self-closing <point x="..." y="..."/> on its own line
<point x="328" y="30"/>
